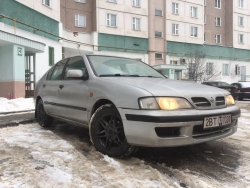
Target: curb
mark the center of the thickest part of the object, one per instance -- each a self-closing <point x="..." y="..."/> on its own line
<point x="16" y="123"/>
<point x="15" y="112"/>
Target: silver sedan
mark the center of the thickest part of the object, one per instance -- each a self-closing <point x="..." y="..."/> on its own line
<point x="125" y="104"/>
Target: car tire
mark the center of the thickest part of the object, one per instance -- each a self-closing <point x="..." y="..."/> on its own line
<point x="107" y="133"/>
<point x="42" y="117"/>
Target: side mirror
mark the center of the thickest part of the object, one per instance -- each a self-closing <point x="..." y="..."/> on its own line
<point x="78" y="74"/>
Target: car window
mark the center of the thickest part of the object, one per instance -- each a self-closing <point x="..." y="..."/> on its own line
<point x="75" y="63"/>
<point x="245" y="84"/>
<point x="223" y="84"/>
<point x="49" y="73"/>
<point x="235" y="85"/>
<point x="213" y="84"/>
<point x="57" y="73"/>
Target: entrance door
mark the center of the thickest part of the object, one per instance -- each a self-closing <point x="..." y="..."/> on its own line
<point x="177" y="75"/>
<point x="243" y="73"/>
<point x="30" y="75"/>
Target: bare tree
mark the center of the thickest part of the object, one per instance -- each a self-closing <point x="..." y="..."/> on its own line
<point x="198" y="69"/>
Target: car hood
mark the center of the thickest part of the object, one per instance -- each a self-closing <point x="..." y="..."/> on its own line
<point x="166" y="87"/>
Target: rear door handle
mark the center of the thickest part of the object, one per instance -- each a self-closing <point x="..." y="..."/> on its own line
<point x="44" y="85"/>
<point x="61" y="86"/>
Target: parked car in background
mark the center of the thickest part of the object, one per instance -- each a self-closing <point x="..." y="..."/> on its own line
<point x="125" y="103"/>
<point x="243" y="90"/>
<point x="223" y="85"/>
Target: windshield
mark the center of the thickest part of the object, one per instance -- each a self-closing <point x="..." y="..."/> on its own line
<point x="114" y="66"/>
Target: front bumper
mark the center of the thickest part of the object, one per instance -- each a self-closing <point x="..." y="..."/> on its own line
<point x="140" y="126"/>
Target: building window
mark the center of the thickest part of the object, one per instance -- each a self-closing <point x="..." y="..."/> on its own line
<point x="158" y="12"/>
<point x="225" y="69"/>
<point x="204" y="37"/>
<point x="175" y="8"/>
<point x="217" y="21"/>
<point x="112" y="1"/>
<point x="46" y="2"/>
<point x="205" y="19"/>
<point x="175" y="29"/>
<point x="51" y="56"/>
<point x="241" y="38"/>
<point x="217" y="39"/>
<point x="194" y="12"/>
<point x="158" y="34"/>
<point x="241" y="3"/>
<point x="80" y="20"/>
<point x="173" y="62"/>
<point x="209" y="68"/>
<point x="158" y="56"/>
<point x="111" y="20"/>
<point x="241" y="21"/>
<point x="194" y="32"/>
<point x="205" y="3"/>
<point x="136" y="3"/>
<point x="217" y="3"/>
<point x="80" y="1"/>
<point x="136" y="23"/>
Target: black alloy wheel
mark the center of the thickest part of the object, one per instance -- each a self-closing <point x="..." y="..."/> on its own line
<point x="107" y="133"/>
<point x="43" y="119"/>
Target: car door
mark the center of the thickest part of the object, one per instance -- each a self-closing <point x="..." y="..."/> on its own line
<point x="72" y="97"/>
<point x="51" y="86"/>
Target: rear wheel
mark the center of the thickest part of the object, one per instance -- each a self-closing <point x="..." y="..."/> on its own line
<point x="107" y="133"/>
<point x="43" y="119"/>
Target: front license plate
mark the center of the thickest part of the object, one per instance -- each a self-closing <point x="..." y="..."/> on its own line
<point x="217" y="121"/>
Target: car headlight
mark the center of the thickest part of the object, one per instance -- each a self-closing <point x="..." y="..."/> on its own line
<point x="230" y="100"/>
<point x="149" y="103"/>
<point x="164" y="103"/>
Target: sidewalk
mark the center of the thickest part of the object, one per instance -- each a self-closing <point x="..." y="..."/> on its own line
<point x="17" y="118"/>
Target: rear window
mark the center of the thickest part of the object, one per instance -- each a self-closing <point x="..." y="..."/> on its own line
<point x="245" y="84"/>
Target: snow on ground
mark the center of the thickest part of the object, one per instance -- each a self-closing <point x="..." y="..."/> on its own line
<point x="18" y="104"/>
<point x="34" y="157"/>
<point x="31" y="156"/>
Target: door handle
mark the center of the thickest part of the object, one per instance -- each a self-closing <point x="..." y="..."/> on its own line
<point x="44" y="85"/>
<point x="61" y="86"/>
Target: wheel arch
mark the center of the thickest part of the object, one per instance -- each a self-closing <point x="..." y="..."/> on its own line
<point x="99" y="103"/>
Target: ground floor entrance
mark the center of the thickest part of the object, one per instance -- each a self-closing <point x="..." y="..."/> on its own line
<point x="30" y="63"/>
<point x="18" y="65"/>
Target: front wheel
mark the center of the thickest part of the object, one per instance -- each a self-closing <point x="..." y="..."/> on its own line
<point x="107" y="133"/>
<point x="43" y="119"/>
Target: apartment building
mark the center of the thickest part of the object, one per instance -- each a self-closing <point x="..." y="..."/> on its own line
<point x="159" y="32"/>
<point x="110" y="27"/>
<point x="217" y="28"/>
<point x="162" y="32"/>
<point x="29" y="44"/>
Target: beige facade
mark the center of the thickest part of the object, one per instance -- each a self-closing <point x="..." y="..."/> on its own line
<point x="70" y="8"/>
<point x="157" y="23"/>
<point x="218" y="23"/>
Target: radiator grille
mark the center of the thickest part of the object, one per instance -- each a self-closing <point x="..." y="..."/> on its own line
<point x="220" y="101"/>
<point x="201" y="102"/>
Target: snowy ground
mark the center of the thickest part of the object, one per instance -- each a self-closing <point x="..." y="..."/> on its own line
<point x="63" y="156"/>
<point x="18" y="104"/>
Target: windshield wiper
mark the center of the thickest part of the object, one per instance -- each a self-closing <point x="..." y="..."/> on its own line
<point x="151" y="76"/>
<point x="125" y="75"/>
